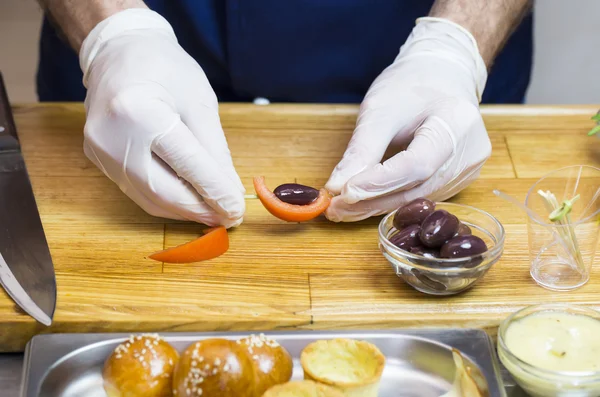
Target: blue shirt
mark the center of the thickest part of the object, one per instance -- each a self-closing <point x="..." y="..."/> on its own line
<point x="291" y="50"/>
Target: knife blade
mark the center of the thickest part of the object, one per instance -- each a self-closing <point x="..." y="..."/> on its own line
<point x="26" y="268"/>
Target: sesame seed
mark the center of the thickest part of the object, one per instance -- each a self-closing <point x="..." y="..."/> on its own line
<point x="214" y="371"/>
<point x="118" y="356"/>
<point x="200" y="358"/>
<point x="226" y="367"/>
<point x="170" y="361"/>
<point x="207" y="367"/>
<point x="194" y="363"/>
<point x="217" y="361"/>
<point x="188" y="391"/>
<point x="143" y="351"/>
<point x="199" y="392"/>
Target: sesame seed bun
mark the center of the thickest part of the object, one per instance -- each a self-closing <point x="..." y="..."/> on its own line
<point x="214" y="368"/>
<point x="273" y="365"/>
<point x="142" y="366"/>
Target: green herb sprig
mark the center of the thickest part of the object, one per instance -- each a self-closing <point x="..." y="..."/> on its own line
<point x="560" y="215"/>
<point x="596" y="129"/>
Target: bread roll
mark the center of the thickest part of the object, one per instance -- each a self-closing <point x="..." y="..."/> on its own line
<point x="272" y="363"/>
<point x="140" y="367"/>
<point x="214" y="368"/>
<point x="351" y="366"/>
<point x="224" y="368"/>
<point x="305" y="388"/>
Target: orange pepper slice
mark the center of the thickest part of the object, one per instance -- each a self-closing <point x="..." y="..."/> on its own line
<point x="214" y="243"/>
<point x="290" y="212"/>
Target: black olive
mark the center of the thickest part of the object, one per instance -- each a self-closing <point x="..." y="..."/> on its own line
<point x="429" y="281"/>
<point x="463" y="230"/>
<point x="413" y="213"/>
<point x="294" y="193"/>
<point x="463" y="246"/>
<point x="407" y="237"/>
<point x="439" y="227"/>
<point x="426" y="252"/>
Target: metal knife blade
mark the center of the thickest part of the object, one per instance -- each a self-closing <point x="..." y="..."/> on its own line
<point x="26" y="268"/>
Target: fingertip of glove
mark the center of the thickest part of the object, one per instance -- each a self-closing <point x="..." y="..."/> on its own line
<point x="333" y="213"/>
<point x="236" y="210"/>
<point x="335" y="184"/>
<point x="351" y="194"/>
<point x="232" y="223"/>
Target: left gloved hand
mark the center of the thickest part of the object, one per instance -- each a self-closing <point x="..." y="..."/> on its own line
<point x="429" y="99"/>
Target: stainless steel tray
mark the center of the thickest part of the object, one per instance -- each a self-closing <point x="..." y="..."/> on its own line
<point x="419" y="362"/>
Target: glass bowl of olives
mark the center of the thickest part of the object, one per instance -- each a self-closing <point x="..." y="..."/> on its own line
<point x="440" y="248"/>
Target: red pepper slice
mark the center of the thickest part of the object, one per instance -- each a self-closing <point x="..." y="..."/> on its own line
<point x="290" y="212"/>
<point x="214" y="243"/>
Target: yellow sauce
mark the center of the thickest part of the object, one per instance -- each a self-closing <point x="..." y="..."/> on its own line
<point x="556" y="341"/>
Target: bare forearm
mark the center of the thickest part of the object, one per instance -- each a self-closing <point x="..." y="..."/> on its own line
<point x="490" y="21"/>
<point x="76" y="18"/>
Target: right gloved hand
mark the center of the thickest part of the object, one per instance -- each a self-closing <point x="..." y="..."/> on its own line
<point x="153" y="125"/>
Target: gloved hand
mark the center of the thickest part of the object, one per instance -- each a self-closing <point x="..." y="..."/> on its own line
<point x="152" y="122"/>
<point x="428" y="98"/>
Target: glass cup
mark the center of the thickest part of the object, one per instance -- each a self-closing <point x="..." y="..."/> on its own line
<point x="562" y="253"/>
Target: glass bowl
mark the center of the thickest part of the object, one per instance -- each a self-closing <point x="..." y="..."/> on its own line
<point x="438" y="276"/>
<point x="541" y="382"/>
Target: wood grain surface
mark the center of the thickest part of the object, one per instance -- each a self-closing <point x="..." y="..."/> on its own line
<point x="277" y="275"/>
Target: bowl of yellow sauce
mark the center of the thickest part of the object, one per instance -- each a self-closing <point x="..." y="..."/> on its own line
<point x="553" y="350"/>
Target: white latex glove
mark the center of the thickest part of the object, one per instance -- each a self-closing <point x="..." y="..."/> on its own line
<point x="429" y="99"/>
<point x="153" y="125"/>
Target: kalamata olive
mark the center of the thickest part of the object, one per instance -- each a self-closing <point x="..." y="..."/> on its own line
<point x="294" y="193"/>
<point x="439" y="227"/>
<point x="428" y="281"/>
<point x="426" y="252"/>
<point x="413" y="213"/>
<point x="407" y="237"/>
<point x="463" y="230"/>
<point x="463" y="246"/>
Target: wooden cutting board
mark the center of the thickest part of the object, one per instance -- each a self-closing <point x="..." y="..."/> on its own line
<point x="317" y="275"/>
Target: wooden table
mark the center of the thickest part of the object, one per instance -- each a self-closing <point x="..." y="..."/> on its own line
<point x="317" y="275"/>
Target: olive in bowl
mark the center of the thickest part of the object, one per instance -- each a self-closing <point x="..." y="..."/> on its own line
<point x="439" y="227"/>
<point x="407" y="238"/>
<point x="452" y="265"/>
<point x="413" y="213"/>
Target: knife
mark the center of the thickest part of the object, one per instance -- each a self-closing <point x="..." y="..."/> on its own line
<point x="26" y="269"/>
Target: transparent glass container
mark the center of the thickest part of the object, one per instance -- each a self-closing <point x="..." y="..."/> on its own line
<point x="540" y="382"/>
<point x="438" y="276"/>
<point x="562" y="256"/>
